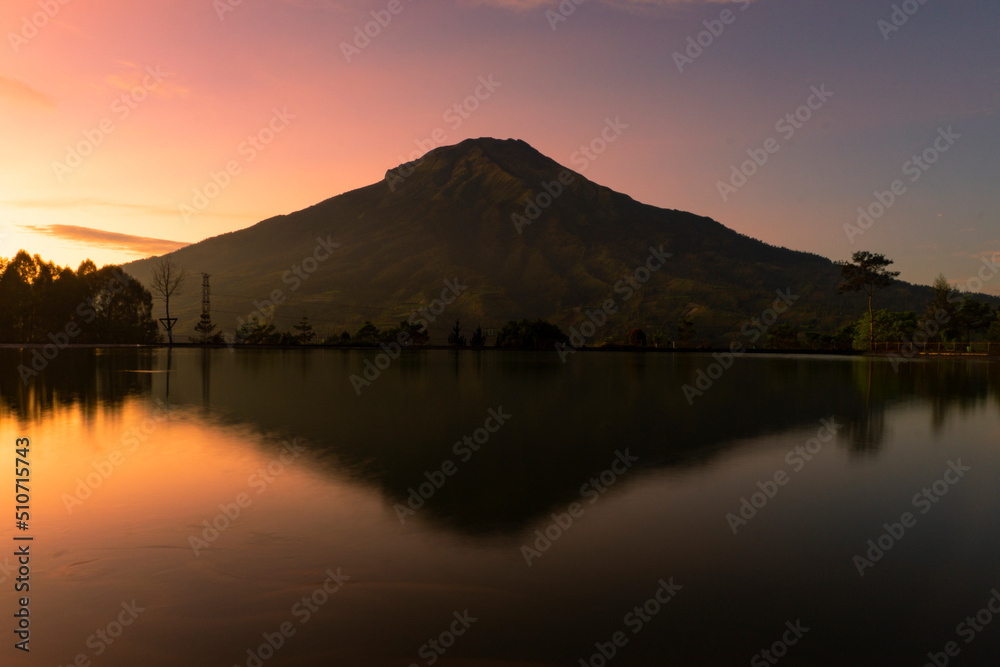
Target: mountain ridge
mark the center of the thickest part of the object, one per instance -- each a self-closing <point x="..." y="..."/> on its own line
<point x="464" y="212"/>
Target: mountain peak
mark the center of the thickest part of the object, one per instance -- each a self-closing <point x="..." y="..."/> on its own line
<point x="527" y="236"/>
<point x="485" y="159"/>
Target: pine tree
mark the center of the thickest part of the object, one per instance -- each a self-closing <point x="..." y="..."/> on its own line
<point x="478" y="337"/>
<point x="455" y="337"/>
<point x="205" y="329"/>
<point x="305" y="331"/>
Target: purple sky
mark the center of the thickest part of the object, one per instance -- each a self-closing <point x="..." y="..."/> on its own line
<point x="161" y="95"/>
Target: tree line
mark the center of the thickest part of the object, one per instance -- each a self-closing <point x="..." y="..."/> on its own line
<point x="951" y="316"/>
<point x="41" y="302"/>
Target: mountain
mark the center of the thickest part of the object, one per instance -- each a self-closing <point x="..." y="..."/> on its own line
<point x="461" y="213"/>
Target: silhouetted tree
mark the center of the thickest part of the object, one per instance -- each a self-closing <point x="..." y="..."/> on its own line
<point x="866" y="272"/>
<point x="40" y="300"/>
<point x="971" y="316"/>
<point x="206" y="331"/>
<point x="685" y="331"/>
<point x="123" y="307"/>
<point x="783" y="336"/>
<point x="942" y="307"/>
<point x="305" y="331"/>
<point x="16" y="298"/>
<point x="168" y="278"/>
<point x="993" y="333"/>
<point x="636" y="337"/>
<point x="455" y="337"/>
<point x="417" y="333"/>
<point x="368" y="332"/>
<point x="257" y="332"/>
<point x="530" y="334"/>
<point x="478" y="337"/>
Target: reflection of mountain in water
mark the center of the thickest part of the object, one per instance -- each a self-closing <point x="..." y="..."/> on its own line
<point x="567" y="420"/>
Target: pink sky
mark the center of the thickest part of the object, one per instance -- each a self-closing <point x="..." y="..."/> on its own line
<point x="164" y="94"/>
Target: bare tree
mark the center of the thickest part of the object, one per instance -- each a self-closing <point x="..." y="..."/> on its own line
<point x="167" y="280"/>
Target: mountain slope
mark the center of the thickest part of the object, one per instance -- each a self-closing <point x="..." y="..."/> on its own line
<point x="449" y="216"/>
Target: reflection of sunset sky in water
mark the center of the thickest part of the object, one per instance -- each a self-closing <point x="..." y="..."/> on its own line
<point x="332" y="507"/>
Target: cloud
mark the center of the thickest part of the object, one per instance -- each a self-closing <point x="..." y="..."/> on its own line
<point x="137" y="245"/>
<point x="340" y="6"/>
<point x="123" y="207"/>
<point x="90" y="202"/>
<point x="19" y="92"/>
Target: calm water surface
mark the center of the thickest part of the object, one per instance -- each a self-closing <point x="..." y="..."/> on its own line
<point x="136" y="453"/>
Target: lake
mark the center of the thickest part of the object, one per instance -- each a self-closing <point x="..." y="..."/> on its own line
<point x="257" y="507"/>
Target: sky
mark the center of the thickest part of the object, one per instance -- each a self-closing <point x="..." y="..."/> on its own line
<point x="133" y="128"/>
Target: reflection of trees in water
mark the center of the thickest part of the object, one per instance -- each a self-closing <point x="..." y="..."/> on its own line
<point x="88" y="377"/>
<point x="568" y="419"/>
<point x="949" y="386"/>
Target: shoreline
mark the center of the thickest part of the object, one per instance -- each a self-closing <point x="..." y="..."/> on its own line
<point x="467" y="350"/>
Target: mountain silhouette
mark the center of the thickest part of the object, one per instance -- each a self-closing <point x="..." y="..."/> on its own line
<point x="525" y="237"/>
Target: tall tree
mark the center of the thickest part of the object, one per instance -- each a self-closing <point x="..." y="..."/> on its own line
<point x="168" y="278"/>
<point x="206" y="331"/>
<point x="478" y="337"/>
<point x="866" y="272"/>
<point x="455" y="337"/>
<point x="942" y="307"/>
<point x="124" y="308"/>
<point x="971" y="316"/>
<point x="684" y="333"/>
<point x="305" y="331"/>
<point x="17" y="298"/>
